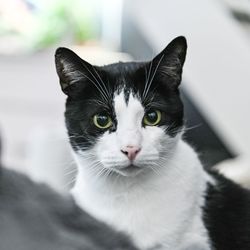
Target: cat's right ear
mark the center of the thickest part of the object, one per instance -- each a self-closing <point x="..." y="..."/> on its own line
<point x="71" y="70"/>
<point x="171" y="60"/>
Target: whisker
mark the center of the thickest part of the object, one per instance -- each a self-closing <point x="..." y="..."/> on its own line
<point x="71" y="172"/>
<point x="99" y="88"/>
<point x="152" y="78"/>
<point x="70" y="182"/>
<point x="101" y="81"/>
<point x="102" y="89"/>
<point x="147" y="79"/>
<point x="193" y="127"/>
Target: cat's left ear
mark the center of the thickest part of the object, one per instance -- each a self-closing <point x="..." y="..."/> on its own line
<point x="170" y="61"/>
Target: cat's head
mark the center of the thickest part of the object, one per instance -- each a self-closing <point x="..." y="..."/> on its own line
<point x="123" y="118"/>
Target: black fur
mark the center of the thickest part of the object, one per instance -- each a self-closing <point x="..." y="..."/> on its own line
<point x="227" y="214"/>
<point x="91" y="89"/>
<point x="33" y="217"/>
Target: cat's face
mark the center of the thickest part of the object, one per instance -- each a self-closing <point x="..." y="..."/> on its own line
<point x="125" y="117"/>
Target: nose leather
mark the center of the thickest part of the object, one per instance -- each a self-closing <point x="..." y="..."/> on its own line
<point x="131" y="152"/>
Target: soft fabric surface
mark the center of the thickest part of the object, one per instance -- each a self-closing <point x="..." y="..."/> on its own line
<point x="33" y="216"/>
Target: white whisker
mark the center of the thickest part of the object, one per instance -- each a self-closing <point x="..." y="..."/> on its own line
<point x="152" y="78"/>
<point x="101" y="89"/>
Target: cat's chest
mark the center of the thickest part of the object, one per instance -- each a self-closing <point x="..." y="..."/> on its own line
<point x="153" y="221"/>
<point x="143" y="221"/>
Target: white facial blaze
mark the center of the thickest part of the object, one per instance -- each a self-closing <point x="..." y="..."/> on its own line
<point x="129" y="116"/>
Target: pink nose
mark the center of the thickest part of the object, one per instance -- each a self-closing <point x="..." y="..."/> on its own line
<point x="131" y="152"/>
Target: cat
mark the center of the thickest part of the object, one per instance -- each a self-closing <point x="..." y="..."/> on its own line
<point x="34" y="217"/>
<point x="135" y="172"/>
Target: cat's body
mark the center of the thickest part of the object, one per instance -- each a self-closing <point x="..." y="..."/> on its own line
<point x="134" y="170"/>
<point x="156" y="210"/>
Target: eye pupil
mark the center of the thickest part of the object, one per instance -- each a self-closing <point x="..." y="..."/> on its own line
<point x="152" y="116"/>
<point x="102" y="120"/>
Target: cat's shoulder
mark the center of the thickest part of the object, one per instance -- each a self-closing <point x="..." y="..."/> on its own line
<point x="227" y="213"/>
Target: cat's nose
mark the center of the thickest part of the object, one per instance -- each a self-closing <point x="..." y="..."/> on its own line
<point x="131" y="152"/>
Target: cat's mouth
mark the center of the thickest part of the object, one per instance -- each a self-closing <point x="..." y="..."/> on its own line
<point x="128" y="171"/>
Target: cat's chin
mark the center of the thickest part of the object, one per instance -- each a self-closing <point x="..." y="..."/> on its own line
<point x="129" y="171"/>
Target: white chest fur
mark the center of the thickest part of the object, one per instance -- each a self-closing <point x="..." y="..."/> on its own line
<point x="157" y="210"/>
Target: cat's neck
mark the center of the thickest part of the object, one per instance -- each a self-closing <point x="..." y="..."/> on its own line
<point x="175" y="194"/>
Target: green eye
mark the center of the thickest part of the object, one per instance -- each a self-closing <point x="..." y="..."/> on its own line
<point x="152" y="118"/>
<point x="102" y="121"/>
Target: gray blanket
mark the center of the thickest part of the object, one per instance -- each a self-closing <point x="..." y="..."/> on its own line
<point x="34" y="217"/>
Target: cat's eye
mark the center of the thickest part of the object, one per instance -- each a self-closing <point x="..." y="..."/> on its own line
<point x="152" y="118"/>
<point x="102" y="121"/>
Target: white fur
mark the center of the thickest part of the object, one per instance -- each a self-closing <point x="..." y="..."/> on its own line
<point x="159" y="204"/>
<point x="237" y="169"/>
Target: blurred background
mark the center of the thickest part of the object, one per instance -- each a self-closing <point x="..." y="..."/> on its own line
<point x="216" y="80"/>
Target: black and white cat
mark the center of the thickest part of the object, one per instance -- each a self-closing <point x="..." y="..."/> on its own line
<point x="135" y="172"/>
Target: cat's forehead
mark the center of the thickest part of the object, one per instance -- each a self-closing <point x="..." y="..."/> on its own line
<point x="124" y="79"/>
<point x="127" y="101"/>
<point x="126" y="93"/>
<point x="123" y="67"/>
<point x="123" y="73"/>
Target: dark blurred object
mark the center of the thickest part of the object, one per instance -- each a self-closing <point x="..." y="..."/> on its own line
<point x="0" y="148"/>
<point x="202" y="136"/>
<point x="240" y="10"/>
<point x="33" y="216"/>
<point x="243" y="17"/>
